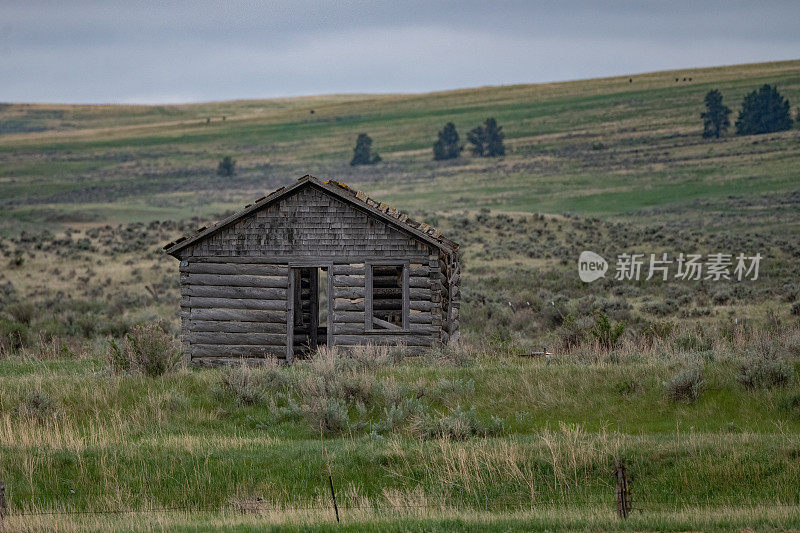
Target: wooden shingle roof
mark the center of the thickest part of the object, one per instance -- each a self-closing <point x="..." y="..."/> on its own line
<point x="357" y="199"/>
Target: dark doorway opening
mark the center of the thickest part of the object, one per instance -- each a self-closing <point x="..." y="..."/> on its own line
<point x="311" y="309"/>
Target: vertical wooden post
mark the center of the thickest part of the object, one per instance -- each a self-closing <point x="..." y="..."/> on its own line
<point x="290" y="314"/>
<point x="333" y="495"/>
<point x="623" y="492"/>
<point x="313" y="327"/>
<point x="3" y="504"/>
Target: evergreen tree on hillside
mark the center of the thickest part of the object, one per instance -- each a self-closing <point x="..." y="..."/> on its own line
<point x="763" y="111"/>
<point x="227" y="166"/>
<point x="362" y="153"/>
<point x="487" y="140"/>
<point x="715" y="118"/>
<point x="447" y="147"/>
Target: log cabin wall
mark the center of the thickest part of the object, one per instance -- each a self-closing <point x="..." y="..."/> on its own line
<point x="237" y="283"/>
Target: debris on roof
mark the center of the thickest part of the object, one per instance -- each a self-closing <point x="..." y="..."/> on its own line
<point x="344" y="190"/>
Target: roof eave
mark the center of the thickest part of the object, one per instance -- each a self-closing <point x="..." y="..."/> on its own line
<point x="174" y="247"/>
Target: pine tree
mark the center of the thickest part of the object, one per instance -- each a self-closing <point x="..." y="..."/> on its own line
<point x="715" y="118"/>
<point x="447" y="147"/>
<point x="487" y="140"/>
<point x="227" y="166"/>
<point x="362" y="153"/>
<point x="763" y="111"/>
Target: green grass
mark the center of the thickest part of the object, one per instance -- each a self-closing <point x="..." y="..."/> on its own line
<point x="626" y="163"/>
<point x="112" y="443"/>
<point x="652" y="153"/>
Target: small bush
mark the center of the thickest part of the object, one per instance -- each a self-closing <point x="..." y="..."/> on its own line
<point x="446" y="390"/>
<point x="765" y="373"/>
<point x="250" y="386"/>
<point x="147" y="349"/>
<point x="328" y="415"/>
<point x="605" y="331"/>
<point x="395" y="415"/>
<point x="23" y="312"/>
<point x="37" y="405"/>
<point x="459" y="424"/>
<point x="13" y="336"/>
<point x="571" y="333"/>
<point x="687" y="385"/>
<point x="691" y="342"/>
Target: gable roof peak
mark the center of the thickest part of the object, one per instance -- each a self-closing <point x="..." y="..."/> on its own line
<point x="357" y="199"/>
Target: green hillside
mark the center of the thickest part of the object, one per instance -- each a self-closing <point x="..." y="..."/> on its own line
<point x="698" y="395"/>
<point x="607" y="146"/>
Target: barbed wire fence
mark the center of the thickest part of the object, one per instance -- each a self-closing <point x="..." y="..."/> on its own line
<point x="620" y="500"/>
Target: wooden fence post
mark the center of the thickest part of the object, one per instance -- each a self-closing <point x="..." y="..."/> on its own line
<point x="623" y="492"/>
<point x="2" y="504"/>
<point x="333" y="495"/>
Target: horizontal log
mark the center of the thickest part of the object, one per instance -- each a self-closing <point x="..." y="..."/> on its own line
<point x="420" y="318"/>
<point x="193" y="302"/>
<point x="236" y="269"/>
<point x="243" y="339"/>
<point x="231" y="361"/>
<point x="408" y="350"/>
<point x="384" y="338"/>
<point x="222" y="350"/>
<point x="420" y="294"/>
<point x="348" y="316"/>
<point x="378" y="305"/>
<point x="195" y="326"/>
<point x="308" y="260"/>
<point x="349" y="281"/>
<point x="416" y="281"/>
<point x="231" y="280"/>
<point x="420" y="305"/>
<point x="352" y="329"/>
<point x="349" y="328"/>
<point x="348" y="292"/>
<point x="218" y="291"/>
<point x="348" y="270"/>
<point x="386" y="292"/>
<point x="235" y="259"/>
<point x="342" y="304"/>
<point x="241" y="315"/>
<point x="385" y="270"/>
<point x="423" y="271"/>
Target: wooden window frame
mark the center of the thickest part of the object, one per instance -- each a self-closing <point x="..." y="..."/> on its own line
<point x="369" y="328"/>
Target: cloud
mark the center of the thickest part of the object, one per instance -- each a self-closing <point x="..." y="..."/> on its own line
<point x="144" y="52"/>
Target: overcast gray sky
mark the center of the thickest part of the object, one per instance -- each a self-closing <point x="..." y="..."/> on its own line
<point x="171" y="52"/>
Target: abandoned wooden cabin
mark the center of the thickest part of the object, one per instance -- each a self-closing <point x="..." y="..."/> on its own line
<point x="315" y="263"/>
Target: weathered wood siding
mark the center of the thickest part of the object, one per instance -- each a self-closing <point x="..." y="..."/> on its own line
<point x="235" y="284"/>
<point x="349" y="307"/>
<point x="233" y="310"/>
<point x="310" y="224"/>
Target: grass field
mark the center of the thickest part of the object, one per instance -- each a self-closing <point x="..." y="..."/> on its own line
<point x="606" y="147"/>
<point x="699" y="396"/>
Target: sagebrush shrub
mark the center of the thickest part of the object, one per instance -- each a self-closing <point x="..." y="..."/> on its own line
<point x="765" y="373"/>
<point x="460" y="424"/>
<point x="687" y="385"/>
<point x="328" y="415"/>
<point x="13" y="336"/>
<point x="23" y="312"/>
<point x="38" y="405"/>
<point x="147" y="349"/>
